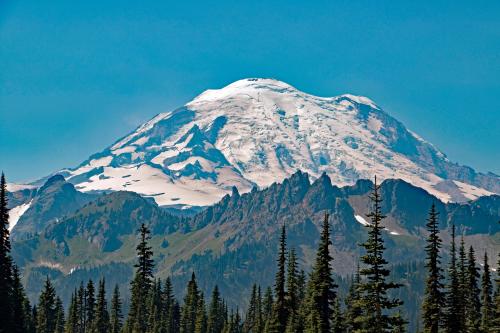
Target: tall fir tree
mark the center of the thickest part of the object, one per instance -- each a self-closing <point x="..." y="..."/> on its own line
<point x="250" y="324"/>
<point x="6" y="320"/>
<point x="155" y="310"/>
<point x="486" y="300"/>
<point x="59" y="316"/>
<point x="432" y="313"/>
<point x="294" y="321"/>
<point x="462" y="282"/>
<point x="375" y="300"/>
<point x="101" y="322"/>
<point x="267" y="305"/>
<point x="190" y="306"/>
<point x="280" y="309"/>
<point x="233" y="323"/>
<point x="354" y="310"/>
<point x="20" y="317"/>
<point x="301" y="285"/>
<point x="29" y="318"/>
<point x="137" y="320"/>
<point x="321" y="294"/>
<point x="116" y="315"/>
<point x="34" y="316"/>
<point x="175" y="324"/>
<point x="171" y="309"/>
<point x="259" y="318"/>
<point x="200" y="325"/>
<point x="292" y="287"/>
<point x="495" y="324"/>
<point x="72" y="320"/>
<point x="453" y="301"/>
<point x="472" y="293"/>
<point x="89" y="305"/>
<point x="81" y="306"/>
<point x="46" y="309"/>
<point x="338" y="318"/>
<point x="215" y="312"/>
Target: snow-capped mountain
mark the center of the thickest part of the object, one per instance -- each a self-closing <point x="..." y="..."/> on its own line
<point x="254" y="132"/>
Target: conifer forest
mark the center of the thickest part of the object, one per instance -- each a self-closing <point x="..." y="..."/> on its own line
<point x="462" y="295"/>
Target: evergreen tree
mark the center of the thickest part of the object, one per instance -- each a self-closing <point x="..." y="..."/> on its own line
<point x="175" y="325"/>
<point x="171" y="309"/>
<point x="338" y="320"/>
<point x="321" y="296"/>
<point x="292" y="286"/>
<point x="486" y="301"/>
<point x="72" y="321"/>
<point x="215" y="313"/>
<point x="374" y="299"/>
<point x="28" y="315"/>
<point x="462" y="283"/>
<point x="259" y="318"/>
<point x="434" y="296"/>
<point x="20" y="317"/>
<point x="237" y="322"/>
<point x="89" y="305"/>
<point x="6" y="319"/>
<point x="46" y="310"/>
<point x="201" y="316"/>
<point x="353" y="304"/>
<point x="294" y="321"/>
<point x="472" y="293"/>
<point x="253" y="319"/>
<point x="280" y="308"/>
<point x="495" y="325"/>
<point x="267" y="305"/>
<point x="294" y="324"/>
<point x="141" y="285"/>
<point x="34" y="316"/>
<point x="101" y="323"/>
<point x="190" y="306"/>
<point x="400" y="323"/>
<point x="453" y="301"/>
<point x="233" y="324"/>
<point x="301" y="286"/>
<point x="80" y="308"/>
<point x="116" y="311"/>
<point x="155" y="311"/>
<point x="59" y="316"/>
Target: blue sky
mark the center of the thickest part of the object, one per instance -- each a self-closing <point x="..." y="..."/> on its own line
<point x="76" y="77"/>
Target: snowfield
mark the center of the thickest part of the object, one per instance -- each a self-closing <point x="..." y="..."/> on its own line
<point x="254" y="132"/>
<point x="16" y="213"/>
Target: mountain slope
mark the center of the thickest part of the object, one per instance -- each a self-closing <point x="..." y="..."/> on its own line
<point x="36" y="209"/>
<point x="234" y="242"/>
<point x="254" y="132"/>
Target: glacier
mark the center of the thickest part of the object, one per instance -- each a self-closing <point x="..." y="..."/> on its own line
<point x="255" y="132"/>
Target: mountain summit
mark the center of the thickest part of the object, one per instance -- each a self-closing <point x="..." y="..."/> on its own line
<point x="254" y="132"/>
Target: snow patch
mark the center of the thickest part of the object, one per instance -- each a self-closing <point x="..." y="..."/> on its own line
<point x="471" y="192"/>
<point x="16" y="213"/>
<point x="361" y="100"/>
<point x="374" y="123"/>
<point x="95" y="163"/>
<point x="128" y="149"/>
<point x="361" y="220"/>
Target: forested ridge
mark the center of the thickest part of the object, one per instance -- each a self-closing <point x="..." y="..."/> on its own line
<point x="461" y="295"/>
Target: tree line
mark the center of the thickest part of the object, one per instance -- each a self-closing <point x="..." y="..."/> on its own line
<point x="457" y="299"/>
